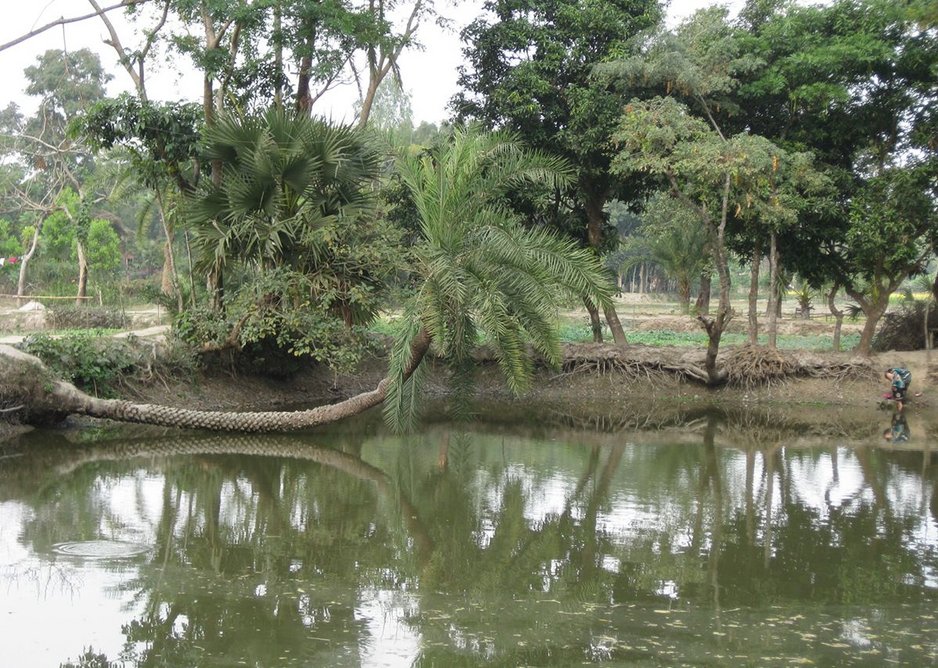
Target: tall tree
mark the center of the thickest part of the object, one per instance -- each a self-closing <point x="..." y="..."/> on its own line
<point x="852" y="82"/>
<point x="529" y="70"/>
<point x="714" y="173"/>
<point x="54" y="163"/>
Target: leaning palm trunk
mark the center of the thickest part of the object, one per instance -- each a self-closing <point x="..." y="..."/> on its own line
<point x="28" y="383"/>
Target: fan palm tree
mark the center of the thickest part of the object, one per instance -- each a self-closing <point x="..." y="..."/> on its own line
<point x="294" y="212"/>
<point x="287" y="183"/>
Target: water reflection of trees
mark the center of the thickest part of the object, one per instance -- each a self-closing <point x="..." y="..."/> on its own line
<point x="265" y="547"/>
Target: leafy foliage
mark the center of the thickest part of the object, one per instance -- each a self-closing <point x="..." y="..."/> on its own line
<point x="529" y="69"/>
<point x="162" y="138"/>
<point x="294" y="222"/>
<point x="89" y="362"/>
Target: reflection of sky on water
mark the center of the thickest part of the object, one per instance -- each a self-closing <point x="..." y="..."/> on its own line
<point x="390" y="640"/>
<point x="52" y="607"/>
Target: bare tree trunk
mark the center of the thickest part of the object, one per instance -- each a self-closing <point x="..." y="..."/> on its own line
<point x="612" y="319"/>
<point x="702" y="305"/>
<point x="925" y="324"/>
<point x="756" y="260"/>
<point x="596" y="219"/>
<point x="773" y="292"/>
<point x="304" y="100"/>
<point x="596" y="324"/>
<point x="715" y="326"/>
<point x="873" y="310"/>
<point x="169" y="284"/>
<point x="382" y="59"/>
<point x="278" y="54"/>
<point x="82" y="272"/>
<point x="24" y="262"/>
<point x="838" y="316"/>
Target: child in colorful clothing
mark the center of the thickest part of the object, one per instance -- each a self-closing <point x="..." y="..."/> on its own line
<point x="900" y="379"/>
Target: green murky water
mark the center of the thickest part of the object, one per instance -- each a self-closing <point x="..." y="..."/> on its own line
<point x="536" y="544"/>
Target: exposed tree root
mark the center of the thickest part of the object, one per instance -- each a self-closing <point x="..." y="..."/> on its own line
<point x="746" y="366"/>
<point x="757" y="366"/>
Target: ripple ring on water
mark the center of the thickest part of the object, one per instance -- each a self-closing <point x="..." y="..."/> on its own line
<point x="100" y="549"/>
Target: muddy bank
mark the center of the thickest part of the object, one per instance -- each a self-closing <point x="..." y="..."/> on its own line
<point x="600" y="387"/>
<point x="826" y="394"/>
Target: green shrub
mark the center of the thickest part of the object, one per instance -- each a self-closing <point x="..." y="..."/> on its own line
<point x="93" y="364"/>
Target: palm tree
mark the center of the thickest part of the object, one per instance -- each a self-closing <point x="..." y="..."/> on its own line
<point x="479" y="272"/>
<point x="672" y="239"/>
<point x="282" y="177"/>
<point x="295" y="212"/>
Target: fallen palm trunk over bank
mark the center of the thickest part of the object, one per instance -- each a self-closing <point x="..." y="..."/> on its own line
<point x="29" y="393"/>
<point x="28" y="388"/>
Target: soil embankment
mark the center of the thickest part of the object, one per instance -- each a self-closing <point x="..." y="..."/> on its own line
<point x="612" y="387"/>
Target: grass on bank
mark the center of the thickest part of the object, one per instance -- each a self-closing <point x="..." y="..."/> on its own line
<point x="816" y="342"/>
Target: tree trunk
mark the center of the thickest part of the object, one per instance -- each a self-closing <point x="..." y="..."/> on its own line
<point x="774" y="301"/>
<point x="925" y="324"/>
<point x="304" y="100"/>
<point x="169" y="284"/>
<point x="873" y="309"/>
<point x="715" y="326"/>
<point x="683" y="290"/>
<point x="596" y="220"/>
<point x="702" y="305"/>
<point x="277" y="38"/>
<point x="838" y="317"/>
<point x="44" y="396"/>
<point x="167" y="287"/>
<point x="756" y="260"/>
<point x="596" y="325"/>
<point x="82" y="272"/>
<point x="612" y="319"/>
<point x="24" y="262"/>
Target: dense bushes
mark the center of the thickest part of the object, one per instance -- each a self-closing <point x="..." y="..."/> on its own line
<point x="101" y="365"/>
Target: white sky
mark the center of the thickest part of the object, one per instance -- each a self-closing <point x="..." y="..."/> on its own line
<point x="429" y="76"/>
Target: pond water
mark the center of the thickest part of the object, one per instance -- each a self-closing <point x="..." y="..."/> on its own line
<point x="532" y="542"/>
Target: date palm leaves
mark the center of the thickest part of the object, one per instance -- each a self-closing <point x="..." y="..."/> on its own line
<point x="483" y="275"/>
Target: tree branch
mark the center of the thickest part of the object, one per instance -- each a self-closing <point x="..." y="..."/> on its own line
<point x="74" y="19"/>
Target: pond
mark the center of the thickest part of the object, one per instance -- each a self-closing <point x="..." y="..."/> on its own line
<point x="538" y="540"/>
